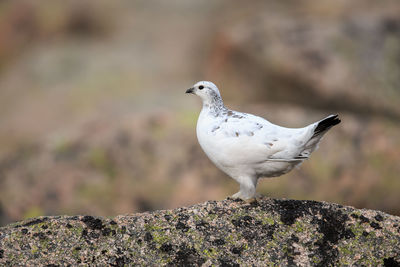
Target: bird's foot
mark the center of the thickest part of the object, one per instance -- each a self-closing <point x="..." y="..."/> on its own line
<point x="251" y="200"/>
<point x="246" y="198"/>
<point x="254" y="199"/>
<point x="237" y="195"/>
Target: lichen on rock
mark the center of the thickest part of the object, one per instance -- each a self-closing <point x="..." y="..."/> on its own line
<point x="225" y="233"/>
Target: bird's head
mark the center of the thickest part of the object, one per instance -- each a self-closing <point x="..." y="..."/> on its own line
<point x="207" y="91"/>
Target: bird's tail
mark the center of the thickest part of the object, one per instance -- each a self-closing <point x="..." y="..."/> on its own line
<point x="325" y="124"/>
<point x="320" y="129"/>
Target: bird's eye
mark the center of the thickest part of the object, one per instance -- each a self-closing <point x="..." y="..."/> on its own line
<point x="201" y="87"/>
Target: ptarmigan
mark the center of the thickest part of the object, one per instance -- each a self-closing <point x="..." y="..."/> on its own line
<point x="247" y="147"/>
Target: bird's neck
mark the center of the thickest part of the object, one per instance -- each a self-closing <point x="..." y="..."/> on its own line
<point x="214" y="106"/>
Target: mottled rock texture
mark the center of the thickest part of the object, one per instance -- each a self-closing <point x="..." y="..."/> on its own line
<point x="223" y="233"/>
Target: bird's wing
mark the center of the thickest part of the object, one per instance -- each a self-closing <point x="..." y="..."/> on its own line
<point x="253" y="139"/>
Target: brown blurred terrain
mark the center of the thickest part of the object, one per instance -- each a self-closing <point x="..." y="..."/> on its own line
<point x="94" y="119"/>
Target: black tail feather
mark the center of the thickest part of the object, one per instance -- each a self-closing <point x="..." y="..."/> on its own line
<point x="325" y="125"/>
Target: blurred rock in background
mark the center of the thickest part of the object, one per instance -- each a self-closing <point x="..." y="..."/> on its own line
<point x="94" y="119"/>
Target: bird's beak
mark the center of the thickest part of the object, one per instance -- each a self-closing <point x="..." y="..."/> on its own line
<point x="190" y="91"/>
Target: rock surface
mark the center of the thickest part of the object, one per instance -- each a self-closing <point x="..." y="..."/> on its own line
<point x="224" y="233"/>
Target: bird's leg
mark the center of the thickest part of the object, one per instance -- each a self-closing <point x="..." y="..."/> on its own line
<point x="247" y="188"/>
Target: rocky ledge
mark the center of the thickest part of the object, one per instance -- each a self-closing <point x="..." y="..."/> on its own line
<point x="222" y="233"/>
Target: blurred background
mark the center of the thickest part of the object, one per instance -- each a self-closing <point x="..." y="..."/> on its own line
<point x="94" y="119"/>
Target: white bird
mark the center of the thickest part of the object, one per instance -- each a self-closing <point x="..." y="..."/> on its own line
<point x="247" y="147"/>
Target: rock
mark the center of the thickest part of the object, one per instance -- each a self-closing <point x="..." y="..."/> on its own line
<point x="224" y="233"/>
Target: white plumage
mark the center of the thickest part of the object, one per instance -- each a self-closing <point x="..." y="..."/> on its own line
<point x="247" y="147"/>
